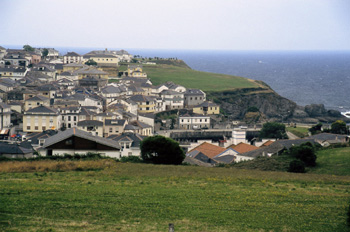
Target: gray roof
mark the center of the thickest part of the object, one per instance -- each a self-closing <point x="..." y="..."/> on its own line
<point x="13" y="69"/>
<point x="72" y="54"/>
<point x="141" y="98"/>
<point x="225" y="159"/>
<point x="7" y="148"/>
<point x="327" y="136"/>
<point x="39" y="98"/>
<point x="170" y="92"/>
<point x="194" y="92"/>
<point x="42" y="109"/>
<point x="139" y="124"/>
<point x="114" y="122"/>
<point x="131" y="137"/>
<point x="276" y="147"/>
<point x="4" y="106"/>
<point x="90" y="123"/>
<point x="111" y="89"/>
<point x="81" y="134"/>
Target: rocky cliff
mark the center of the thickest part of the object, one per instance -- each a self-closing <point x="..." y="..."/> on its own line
<point x="235" y="105"/>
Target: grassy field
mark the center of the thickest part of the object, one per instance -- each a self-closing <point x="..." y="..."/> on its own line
<point x="141" y="197"/>
<point x="334" y="162"/>
<point x="189" y="78"/>
<point x="301" y="132"/>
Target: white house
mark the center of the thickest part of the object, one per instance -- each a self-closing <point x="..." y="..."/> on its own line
<point x="189" y="122"/>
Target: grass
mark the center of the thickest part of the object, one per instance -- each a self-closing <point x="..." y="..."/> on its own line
<point x="189" y="78"/>
<point x="140" y="197"/>
<point x="334" y="161"/>
<point x="301" y="132"/>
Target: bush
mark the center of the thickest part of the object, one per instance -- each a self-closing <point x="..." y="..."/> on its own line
<point x="296" y="166"/>
<point x="131" y="159"/>
<point x="273" y="130"/>
<point x="305" y="152"/>
<point x="161" y="150"/>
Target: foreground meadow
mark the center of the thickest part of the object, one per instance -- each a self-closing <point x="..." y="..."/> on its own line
<point x="140" y="197"/>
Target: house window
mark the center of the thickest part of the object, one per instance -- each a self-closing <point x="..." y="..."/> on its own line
<point x="110" y="130"/>
<point x="69" y="142"/>
<point x="28" y="127"/>
<point x="75" y="118"/>
<point x="44" y="128"/>
<point x="36" y="128"/>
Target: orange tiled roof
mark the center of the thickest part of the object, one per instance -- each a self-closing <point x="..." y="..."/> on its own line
<point x="209" y="150"/>
<point x="243" y="147"/>
<point x="267" y="143"/>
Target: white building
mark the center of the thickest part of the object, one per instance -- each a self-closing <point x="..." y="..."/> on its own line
<point x="189" y="122"/>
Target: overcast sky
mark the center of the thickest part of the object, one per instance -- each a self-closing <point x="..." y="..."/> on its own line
<point x="178" y="24"/>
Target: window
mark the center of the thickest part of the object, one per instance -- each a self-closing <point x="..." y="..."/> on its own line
<point x="28" y="127"/>
<point x="36" y="128"/>
<point x="69" y="142"/>
<point x="44" y="128"/>
<point x="75" y="118"/>
<point x="68" y="118"/>
<point x="110" y="130"/>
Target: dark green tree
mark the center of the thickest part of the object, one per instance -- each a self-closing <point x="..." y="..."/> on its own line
<point x="45" y="52"/>
<point x="28" y="48"/>
<point x="305" y="152"/>
<point x="161" y="150"/>
<point x="339" y="127"/>
<point x="273" y="130"/>
<point x="91" y="62"/>
<point x="316" y="129"/>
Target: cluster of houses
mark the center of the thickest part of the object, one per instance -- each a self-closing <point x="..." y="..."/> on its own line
<point x="42" y="95"/>
<point x="55" y="105"/>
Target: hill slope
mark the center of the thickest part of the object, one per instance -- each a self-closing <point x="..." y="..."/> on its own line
<point x="141" y="197"/>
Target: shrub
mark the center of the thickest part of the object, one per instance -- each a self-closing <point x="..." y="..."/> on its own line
<point x="305" y="152"/>
<point x="131" y="159"/>
<point x="161" y="150"/>
<point x="296" y="166"/>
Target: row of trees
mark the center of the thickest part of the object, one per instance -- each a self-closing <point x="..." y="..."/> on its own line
<point x="278" y="130"/>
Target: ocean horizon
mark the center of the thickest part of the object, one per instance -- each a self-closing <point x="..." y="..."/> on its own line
<point x="305" y="77"/>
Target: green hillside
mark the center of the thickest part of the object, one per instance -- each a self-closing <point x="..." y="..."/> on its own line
<point x="141" y="197"/>
<point x="333" y="161"/>
<point x="181" y="74"/>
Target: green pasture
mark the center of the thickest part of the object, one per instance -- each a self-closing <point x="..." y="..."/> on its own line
<point x="182" y="75"/>
<point x="144" y="197"/>
<point x="301" y="132"/>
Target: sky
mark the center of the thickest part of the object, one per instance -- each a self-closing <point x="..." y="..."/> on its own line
<point x="178" y="24"/>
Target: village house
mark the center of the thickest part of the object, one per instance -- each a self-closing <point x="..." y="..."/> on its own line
<point x="136" y="71"/>
<point x="35" y="102"/>
<point x="129" y="143"/>
<point x="194" y="97"/>
<point x="207" y="108"/>
<point x="73" y="141"/>
<point x="102" y="59"/>
<point x="196" y="121"/>
<point x="5" y="116"/>
<point x="14" y="73"/>
<point x="40" y="119"/>
<point x="91" y="126"/>
<point x="145" y="104"/>
<point x="72" y="57"/>
<point x="172" y="99"/>
<point x="114" y="127"/>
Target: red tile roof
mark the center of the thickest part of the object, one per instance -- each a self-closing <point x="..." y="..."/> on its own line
<point x="208" y="149"/>
<point x="243" y="147"/>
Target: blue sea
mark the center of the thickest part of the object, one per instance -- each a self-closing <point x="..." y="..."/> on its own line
<point x="306" y="77"/>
